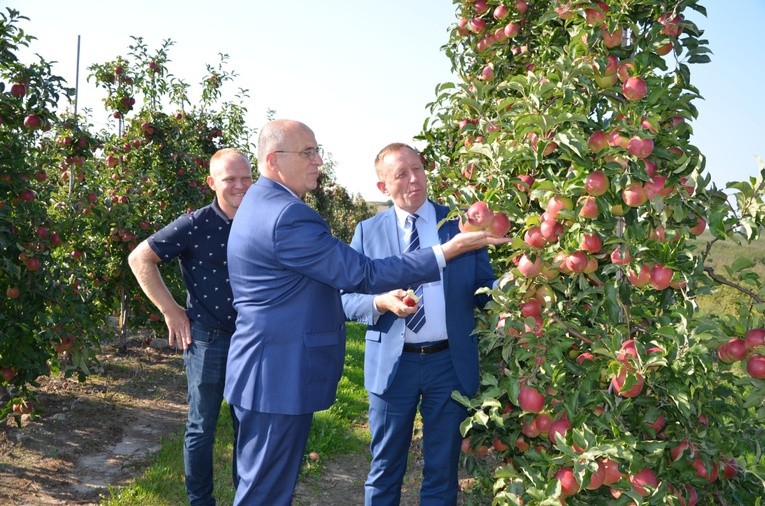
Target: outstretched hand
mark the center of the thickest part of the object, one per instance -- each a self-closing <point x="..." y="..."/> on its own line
<point x="469" y="241"/>
<point x="393" y="301"/>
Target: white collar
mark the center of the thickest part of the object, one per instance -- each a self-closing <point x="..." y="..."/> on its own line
<point x="426" y="212"/>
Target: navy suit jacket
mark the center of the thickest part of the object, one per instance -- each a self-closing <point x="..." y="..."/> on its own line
<point x="286" y="269"/>
<point x="378" y="237"/>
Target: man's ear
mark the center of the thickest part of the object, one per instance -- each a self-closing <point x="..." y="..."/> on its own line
<point x="211" y="182"/>
<point x="381" y="186"/>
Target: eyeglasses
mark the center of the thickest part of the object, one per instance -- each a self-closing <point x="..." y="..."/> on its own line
<point x="308" y="152"/>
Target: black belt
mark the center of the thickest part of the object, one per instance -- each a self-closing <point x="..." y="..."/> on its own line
<point x="424" y="350"/>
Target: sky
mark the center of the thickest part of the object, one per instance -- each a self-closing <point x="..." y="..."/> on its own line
<point x="360" y="73"/>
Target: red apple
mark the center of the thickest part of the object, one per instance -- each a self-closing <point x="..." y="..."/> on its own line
<point x="755" y="366"/>
<point x="530" y="399"/>
<point x="625" y="70"/>
<point x="596" y="183"/>
<point x="12" y="292"/>
<point x="642" y="278"/>
<point x="480" y="6"/>
<point x="611" y="39"/>
<point x="477" y="25"/>
<point x="616" y="139"/>
<point x="699" y="227"/>
<point x="529" y="268"/>
<point x="410" y="299"/>
<point x="611" y="471"/>
<point x="531" y="307"/>
<point x="534" y="238"/>
<point x="7" y="373"/>
<point x="556" y="204"/>
<point x="627" y="351"/>
<point x="598" y="141"/>
<point x="642" y="479"/>
<point x="591" y="243"/>
<point x="733" y="350"/>
<point x="634" y="195"/>
<point x="657" y="424"/>
<point x="658" y="186"/>
<point x="18" y="90"/>
<point x="487" y="74"/>
<point x="542" y="422"/>
<point x="576" y="261"/>
<point x="479" y="215"/>
<point x="551" y="230"/>
<point x="634" y="88"/>
<point x="500" y="12"/>
<point x="710" y="474"/>
<point x="33" y="264"/>
<point x="32" y="122"/>
<point x="754" y="338"/>
<point x="594" y="16"/>
<point x="661" y="276"/>
<point x="640" y="148"/>
<point x="596" y="478"/>
<point x="730" y="468"/>
<point x="618" y="383"/>
<point x="589" y="207"/>
<point x="500" y="225"/>
<point x="558" y="427"/>
<point x="620" y="257"/>
<point x="677" y="451"/>
<point x="512" y="30"/>
<point x="568" y="484"/>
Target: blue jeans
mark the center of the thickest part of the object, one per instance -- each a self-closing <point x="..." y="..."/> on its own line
<point x="205" y="361"/>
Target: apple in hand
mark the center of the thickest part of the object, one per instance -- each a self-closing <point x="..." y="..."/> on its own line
<point x="410" y="299"/>
<point x="479" y="217"/>
<point x="500" y="225"/>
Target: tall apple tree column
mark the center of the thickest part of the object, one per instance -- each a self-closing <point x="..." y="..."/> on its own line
<point x="574" y="118"/>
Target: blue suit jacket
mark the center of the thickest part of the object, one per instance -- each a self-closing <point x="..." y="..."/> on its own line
<point x="285" y="268"/>
<point x="378" y="237"/>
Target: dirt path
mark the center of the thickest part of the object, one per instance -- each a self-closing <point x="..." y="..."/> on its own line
<point x="93" y="435"/>
<point x="102" y="434"/>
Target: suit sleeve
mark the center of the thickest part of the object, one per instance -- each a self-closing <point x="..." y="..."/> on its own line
<point x="306" y="245"/>
<point x="359" y="307"/>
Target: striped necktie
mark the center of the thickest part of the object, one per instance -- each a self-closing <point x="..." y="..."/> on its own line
<point x="412" y="242"/>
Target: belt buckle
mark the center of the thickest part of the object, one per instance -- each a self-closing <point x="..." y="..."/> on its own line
<point x="422" y="350"/>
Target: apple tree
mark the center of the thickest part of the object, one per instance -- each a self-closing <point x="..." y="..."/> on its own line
<point x="152" y="169"/>
<point x="600" y="377"/>
<point x="43" y="320"/>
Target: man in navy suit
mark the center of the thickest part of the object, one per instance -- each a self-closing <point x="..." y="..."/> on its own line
<point x="286" y="272"/>
<point x="405" y="364"/>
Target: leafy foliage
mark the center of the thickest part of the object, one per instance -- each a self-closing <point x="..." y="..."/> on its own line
<point x="551" y="93"/>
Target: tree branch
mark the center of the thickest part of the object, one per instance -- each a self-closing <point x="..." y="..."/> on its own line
<point x="711" y="273"/>
<point x="570" y="330"/>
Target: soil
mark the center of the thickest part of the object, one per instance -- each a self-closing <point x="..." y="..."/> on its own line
<point x="102" y="433"/>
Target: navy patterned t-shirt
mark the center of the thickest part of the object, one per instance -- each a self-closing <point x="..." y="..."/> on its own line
<point x="199" y="241"/>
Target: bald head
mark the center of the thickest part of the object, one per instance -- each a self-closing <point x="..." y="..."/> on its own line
<point x="282" y="155"/>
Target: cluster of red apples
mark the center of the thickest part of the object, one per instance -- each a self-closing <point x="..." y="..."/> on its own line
<point x="751" y="348"/>
<point x="479" y="217"/>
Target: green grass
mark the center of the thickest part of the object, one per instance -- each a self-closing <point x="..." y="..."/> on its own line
<point x="338" y="430"/>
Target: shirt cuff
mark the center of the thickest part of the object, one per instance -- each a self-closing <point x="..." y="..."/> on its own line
<point x="375" y="313"/>
<point x="440" y="258"/>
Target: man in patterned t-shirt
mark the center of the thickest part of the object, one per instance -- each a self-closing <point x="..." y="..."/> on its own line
<point x="204" y="327"/>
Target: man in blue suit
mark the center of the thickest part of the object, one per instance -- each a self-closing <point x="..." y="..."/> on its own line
<point x="408" y="364"/>
<point x="286" y="270"/>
